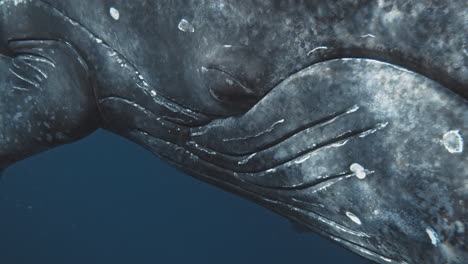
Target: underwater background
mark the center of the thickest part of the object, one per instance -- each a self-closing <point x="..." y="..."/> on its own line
<point x="106" y="200"/>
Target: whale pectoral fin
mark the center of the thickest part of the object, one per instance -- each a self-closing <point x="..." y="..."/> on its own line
<point x="46" y="98"/>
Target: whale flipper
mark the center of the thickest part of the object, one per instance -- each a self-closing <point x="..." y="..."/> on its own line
<point x="46" y="98"/>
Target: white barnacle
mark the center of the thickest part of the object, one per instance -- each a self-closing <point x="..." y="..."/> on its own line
<point x="433" y="236"/>
<point x="153" y="93"/>
<point x="453" y="141"/>
<point x="114" y="13"/>
<point x="353" y="218"/>
<point x="185" y="26"/>
<point x="358" y="170"/>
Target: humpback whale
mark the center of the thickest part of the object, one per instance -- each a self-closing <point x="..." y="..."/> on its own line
<point x="346" y="117"/>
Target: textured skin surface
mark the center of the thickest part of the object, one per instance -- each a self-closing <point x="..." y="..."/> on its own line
<point x="347" y="117"/>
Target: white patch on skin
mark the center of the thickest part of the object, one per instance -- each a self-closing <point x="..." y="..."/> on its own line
<point x="354" y="218"/>
<point x="358" y="170"/>
<point x="114" y="13"/>
<point x="433" y="236"/>
<point x="460" y="226"/>
<point x="185" y="26"/>
<point x="153" y="93"/>
<point x="453" y="141"/>
<point x="17" y="116"/>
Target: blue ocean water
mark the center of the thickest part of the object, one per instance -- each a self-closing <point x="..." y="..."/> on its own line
<point x="106" y="200"/>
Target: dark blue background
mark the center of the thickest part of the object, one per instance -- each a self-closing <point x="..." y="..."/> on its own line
<point x="106" y="200"/>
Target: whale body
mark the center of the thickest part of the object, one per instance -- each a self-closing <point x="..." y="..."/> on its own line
<point x="346" y="117"/>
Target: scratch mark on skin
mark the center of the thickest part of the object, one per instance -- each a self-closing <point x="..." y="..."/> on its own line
<point x="137" y="106"/>
<point x="256" y="135"/>
<point x="36" y="58"/>
<point x="244" y="161"/>
<point x="307" y="185"/>
<point x="315" y="49"/>
<point x="246" y="89"/>
<point x="330" y="183"/>
<point x="206" y="129"/>
<point x="23" y="78"/>
<point x="377" y="128"/>
<point x="208" y="151"/>
<point x="368" y="36"/>
<point x="307" y="203"/>
<point x="21" y="89"/>
<point x="39" y="70"/>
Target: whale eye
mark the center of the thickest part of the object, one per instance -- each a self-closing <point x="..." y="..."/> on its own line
<point x="227" y="89"/>
<point x="234" y="75"/>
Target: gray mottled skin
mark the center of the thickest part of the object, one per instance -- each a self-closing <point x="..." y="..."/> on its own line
<point x="347" y="117"/>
